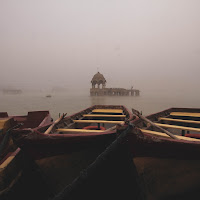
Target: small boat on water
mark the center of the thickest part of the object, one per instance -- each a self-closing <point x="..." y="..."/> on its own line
<point x="72" y="143"/>
<point x="12" y="159"/>
<point x="167" y="165"/>
<point x="144" y="162"/>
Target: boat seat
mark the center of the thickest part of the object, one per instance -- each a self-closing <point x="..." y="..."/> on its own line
<point x="179" y="120"/>
<point x="178" y="127"/>
<point x="119" y="111"/>
<point x="165" y="135"/>
<point x="98" y="121"/>
<point x="79" y="130"/>
<point x="185" y="114"/>
<point x="99" y="115"/>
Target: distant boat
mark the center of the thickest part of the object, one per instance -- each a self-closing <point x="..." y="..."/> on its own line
<point x="12" y="91"/>
<point x="48" y="95"/>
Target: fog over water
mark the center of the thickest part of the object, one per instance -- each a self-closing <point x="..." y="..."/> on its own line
<point x="151" y="45"/>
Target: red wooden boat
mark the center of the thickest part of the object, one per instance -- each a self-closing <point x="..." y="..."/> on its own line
<point x="144" y="163"/>
<point x="73" y="143"/>
<point x="168" y="168"/>
<point x="11" y="158"/>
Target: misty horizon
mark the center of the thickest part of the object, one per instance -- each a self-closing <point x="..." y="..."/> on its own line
<point x="146" y="44"/>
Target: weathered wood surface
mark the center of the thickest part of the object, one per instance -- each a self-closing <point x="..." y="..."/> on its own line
<point x="6" y="162"/>
<point x="185" y="114"/>
<point x="164" y="135"/>
<point x="79" y="130"/>
<point x="179" y="120"/>
<point x="98" y="121"/>
<point x="153" y="124"/>
<point x="178" y="127"/>
<point x="55" y="123"/>
<point x="99" y="115"/>
<point x="107" y="111"/>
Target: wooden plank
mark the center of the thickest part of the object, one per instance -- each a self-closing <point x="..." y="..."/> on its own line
<point x="6" y="162"/>
<point x="99" y="115"/>
<point x="5" y="124"/>
<point x="185" y="114"/>
<point x="135" y="112"/>
<point x="98" y="121"/>
<point x="165" y="135"/>
<point x="79" y="130"/>
<point x="180" y="120"/>
<point x="107" y="110"/>
<point x="178" y="127"/>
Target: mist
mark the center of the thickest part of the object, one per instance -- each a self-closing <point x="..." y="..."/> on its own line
<point x="148" y="44"/>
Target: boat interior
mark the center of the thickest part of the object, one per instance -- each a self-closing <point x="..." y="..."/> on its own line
<point x="8" y="150"/>
<point x="183" y="123"/>
<point x="94" y="120"/>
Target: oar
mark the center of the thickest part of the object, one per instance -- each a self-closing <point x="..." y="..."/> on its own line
<point x="150" y="122"/>
<point x="56" y="122"/>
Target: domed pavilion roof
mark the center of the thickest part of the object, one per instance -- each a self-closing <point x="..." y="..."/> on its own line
<point x="98" y="78"/>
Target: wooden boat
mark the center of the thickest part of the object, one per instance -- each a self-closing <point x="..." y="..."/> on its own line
<point x="73" y="143"/>
<point x="144" y="163"/>
<point x="169" y="168"/>
<point x="12" y="160"/>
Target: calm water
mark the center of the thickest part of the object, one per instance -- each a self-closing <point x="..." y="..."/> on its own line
<point x="149" y="102"/>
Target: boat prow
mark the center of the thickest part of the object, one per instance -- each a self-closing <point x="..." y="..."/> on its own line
<point x="73" y="143"/>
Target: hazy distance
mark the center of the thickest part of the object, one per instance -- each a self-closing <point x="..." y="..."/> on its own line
<point x="150" y="44"/>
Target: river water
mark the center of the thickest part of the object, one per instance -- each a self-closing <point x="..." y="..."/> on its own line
<point x="148" y="102"/>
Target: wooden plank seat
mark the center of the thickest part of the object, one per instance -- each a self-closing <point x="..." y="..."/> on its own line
<point x="79" y="130"/>
<point x="178" y="127"/>
<point x="98" y="121"/>
<point x="179" y="120"/>
<point x="165" y="135"/>
<point x="107" y="111"/>
<point x="185" y="114"/>
<point x="106" y="116"/>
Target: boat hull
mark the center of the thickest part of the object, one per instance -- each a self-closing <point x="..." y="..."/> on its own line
<point x="62" y="157"/>
<point x="164" y="178"/>
<point x="168" y="168"/>
<point x="13" y="162"/>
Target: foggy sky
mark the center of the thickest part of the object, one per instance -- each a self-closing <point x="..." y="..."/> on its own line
<point x="144" y="43"/>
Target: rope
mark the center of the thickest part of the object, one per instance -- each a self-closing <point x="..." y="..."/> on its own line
<point x="104" y="157"/>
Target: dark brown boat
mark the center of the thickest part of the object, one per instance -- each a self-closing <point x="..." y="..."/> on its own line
<point x="12" y="159"/>
<point x="73" y="143"/>
<point x="169" y="168"/>
<point x="144" y="163"/>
